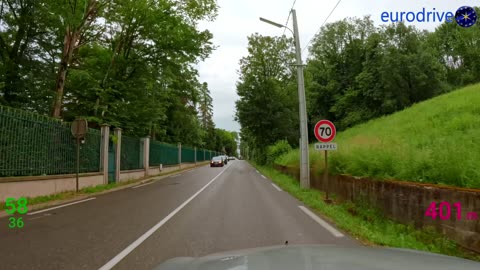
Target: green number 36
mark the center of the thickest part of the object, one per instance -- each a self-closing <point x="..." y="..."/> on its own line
<point x="21" y="206"/>
<point x="15" y="223"/>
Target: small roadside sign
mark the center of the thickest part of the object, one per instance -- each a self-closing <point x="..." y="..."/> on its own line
<point x="325" y="131"/>
<point x="79" y="128"/>
<point x="326" y="146"/>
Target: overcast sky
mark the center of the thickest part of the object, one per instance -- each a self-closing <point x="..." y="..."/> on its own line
<point x="238" y="19"/>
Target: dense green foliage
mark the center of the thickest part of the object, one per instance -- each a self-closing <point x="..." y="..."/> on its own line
<point x="432" y="142"/>
<point x="277" y="150"/>
<point x="267" y="109"/>
<point x="368" y="224"/>
<point x="128" y="63"/>
<point x="355" y="72"/>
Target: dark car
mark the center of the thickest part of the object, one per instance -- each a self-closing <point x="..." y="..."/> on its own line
<point x="217" y="162"/>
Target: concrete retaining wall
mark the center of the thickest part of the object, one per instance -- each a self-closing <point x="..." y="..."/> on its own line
<point x="406" y="202"/>
<point x="33" y="186"/>
<point x="130" y="175"/>
<point x="45" y="185"/>
<point x="165" y="169"/>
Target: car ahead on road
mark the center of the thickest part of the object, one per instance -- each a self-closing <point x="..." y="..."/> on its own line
<point x="331" y="257"/>
<point x="217" y="162"/>
<point x="231" y="158"/>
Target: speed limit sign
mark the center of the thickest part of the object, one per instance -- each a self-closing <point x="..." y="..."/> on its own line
<point x="325" y="131"/>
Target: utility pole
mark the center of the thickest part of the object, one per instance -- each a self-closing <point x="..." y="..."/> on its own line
<point x="304" y="160"/>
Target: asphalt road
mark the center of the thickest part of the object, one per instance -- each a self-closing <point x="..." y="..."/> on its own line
<point x="199" y="212"/>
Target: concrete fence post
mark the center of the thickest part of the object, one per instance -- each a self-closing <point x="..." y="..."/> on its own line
<point x="195" y="148"/>
<point x="105" y="131"/>
<point x="118" y="153"/>
<point x="179" y="155"/>
<point x="146" y="155"/>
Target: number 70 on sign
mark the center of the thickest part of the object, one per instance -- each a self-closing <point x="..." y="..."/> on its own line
<point x="325" y="132"/>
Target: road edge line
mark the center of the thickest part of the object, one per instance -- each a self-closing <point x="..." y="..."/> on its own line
<point x="60" y="206"/>
<point x="137" y="186"/>
<point x="322" y="223"/>
<point x="276" y="187"/>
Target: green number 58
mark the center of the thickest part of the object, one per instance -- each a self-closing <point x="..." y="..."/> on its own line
<point x="20" y="207"/>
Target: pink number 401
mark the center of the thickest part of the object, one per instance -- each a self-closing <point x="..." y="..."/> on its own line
<point x="443" y="210"/>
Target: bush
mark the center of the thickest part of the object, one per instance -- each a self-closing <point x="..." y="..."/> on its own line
<point x="278" y="149"/>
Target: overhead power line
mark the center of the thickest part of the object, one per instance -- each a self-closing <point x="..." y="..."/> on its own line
<point x="306" y="46"/>
<point x="288" y="18"/>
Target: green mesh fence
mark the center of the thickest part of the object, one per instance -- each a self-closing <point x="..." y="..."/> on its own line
<point x="132" y="153"/>
<point x="188" y="154"/>
<point x="162" y="153"/>
<point x="200" y="155"/>
<point x="32" y="144"/>
<point x="210" y="154"/>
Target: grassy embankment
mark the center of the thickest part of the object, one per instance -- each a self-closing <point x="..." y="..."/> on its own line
<point x="436" y="141"/>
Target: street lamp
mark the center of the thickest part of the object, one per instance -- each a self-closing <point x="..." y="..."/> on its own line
<point x="304" y="161"/>
<point x="274" y="23"/>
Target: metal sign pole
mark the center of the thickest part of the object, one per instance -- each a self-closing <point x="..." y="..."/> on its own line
<point x="325" y="175"/>
<point x="79" y="129"/>
<point x="78" y="160"/>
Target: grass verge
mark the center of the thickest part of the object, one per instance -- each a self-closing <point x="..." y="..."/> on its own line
<point x="367" y="224"/>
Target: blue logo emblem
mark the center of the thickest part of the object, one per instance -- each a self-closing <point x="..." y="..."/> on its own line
<point x="466" y="16"/>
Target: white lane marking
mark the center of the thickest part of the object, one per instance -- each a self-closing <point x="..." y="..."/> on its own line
<point x="263" y="177"/>
<point x="275" y="186"/>
<point x="44" y="215"/>
<point x="60" y="206"/>
<point x="115" y="260"/>
<point x="320" y="221"/>
<point x="143" y="185"/>
<point x="257" y="171"/>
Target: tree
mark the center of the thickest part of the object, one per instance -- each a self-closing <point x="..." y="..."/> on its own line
<point x="358" y="72"/>
<point x="129" y="63"/>
<point x="267" y="108"/>
<point x="458" y="52"/>
<point x="24" y="55"/>
<point x="205" y="107"/>
<point x="76" y="17"/>
<point x="225" y="142"/>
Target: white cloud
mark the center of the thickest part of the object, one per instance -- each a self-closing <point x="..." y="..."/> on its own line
<point x="240" y="18"/>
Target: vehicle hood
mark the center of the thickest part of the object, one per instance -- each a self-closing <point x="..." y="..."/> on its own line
<point x="320" y="257"/>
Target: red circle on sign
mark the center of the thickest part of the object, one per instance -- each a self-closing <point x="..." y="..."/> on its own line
<point x="320" y="134"/>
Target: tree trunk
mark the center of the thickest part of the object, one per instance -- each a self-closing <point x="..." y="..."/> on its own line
<point x="71" y="38"/>
<point x="70" y="43"/>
